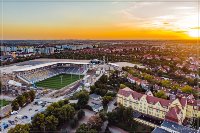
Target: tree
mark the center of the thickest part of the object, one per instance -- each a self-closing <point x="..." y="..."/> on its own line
<point x="196" y="123"/>
<point x="51" y="123"/>
<point x="175" y="87"/>
<point x="32" y="95"/>
<point x="92" y="89"/>
<point x="38" y="122"/>
<point x="95" y="122"/>
<point x="21" y="100"/>
<point x="80" y="114"/>
<point x="27" y="97"/>
<point x="85" y="129"/>
<point x="187" y="89"/>
<point x="83" y="98"/>
<point x="148" y="77"/>
<point x="66" y="112"/>
<point x="166" y="83"/>
<point x="51" y="110"/>
<point x="112" y="94"/>
<point x="74" y="122"/>
<point x="20" y="129"/>
<point x="103" y="79"/>
<point x="128" y="115"/>
<point x="106" y="100"/>
<point x="161" y="94"/>
<point x="103" y="116"/>
<point x="122" y="86"/>
<point x="15" y="105"/>
<point x="112" y="117"/>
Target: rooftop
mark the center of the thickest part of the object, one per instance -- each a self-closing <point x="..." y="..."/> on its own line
<point x="159" y="130"/>
<point x="38" y="63"/>
<point x="178" y="128"/>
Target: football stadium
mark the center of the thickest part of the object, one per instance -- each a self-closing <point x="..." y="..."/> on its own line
<point x="53" y="75"/>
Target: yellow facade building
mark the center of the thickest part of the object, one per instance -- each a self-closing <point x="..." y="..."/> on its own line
<point x="176" y="110"/>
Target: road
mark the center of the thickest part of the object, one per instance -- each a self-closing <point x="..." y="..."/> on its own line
<point x="8" y="98"/>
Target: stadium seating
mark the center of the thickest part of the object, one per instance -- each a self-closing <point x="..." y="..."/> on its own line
<point x="44" y="73"/>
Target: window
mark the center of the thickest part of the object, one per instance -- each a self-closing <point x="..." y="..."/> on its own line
<point x="149" y="112"/>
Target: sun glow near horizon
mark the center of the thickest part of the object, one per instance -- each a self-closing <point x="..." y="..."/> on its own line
<point x="103" y="20"/>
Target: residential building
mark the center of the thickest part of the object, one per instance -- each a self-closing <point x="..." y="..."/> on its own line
<point x="172" y="110"/>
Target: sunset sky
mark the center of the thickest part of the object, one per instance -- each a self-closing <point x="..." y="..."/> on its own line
<point x="40" y="19"/>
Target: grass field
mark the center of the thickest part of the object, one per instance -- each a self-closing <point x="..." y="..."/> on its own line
<point x="55" y="82"/>
<point x="3" y="103"/>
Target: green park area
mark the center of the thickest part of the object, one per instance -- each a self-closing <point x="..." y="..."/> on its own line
<point x="3" y="103"/>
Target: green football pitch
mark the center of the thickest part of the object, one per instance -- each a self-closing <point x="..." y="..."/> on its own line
<point x="3" y="103"/>
<point x="58" y="81"/>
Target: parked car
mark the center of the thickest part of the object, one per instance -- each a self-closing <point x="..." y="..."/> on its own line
<point x="4" y="125"/>
<point x="14" y="113"/>
<point x="11" y="122"/>
<point x="24" y="117"/>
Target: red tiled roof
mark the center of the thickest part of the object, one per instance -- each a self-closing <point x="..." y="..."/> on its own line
<point x="193" y="102"/>
<point x="150" y="99"/>
<point x="183" y="101"/>
<point x="172" y="114"/>
<point x="125" y="92"/>
<point x="136" y="95"/>
<point x="154" y="100"/>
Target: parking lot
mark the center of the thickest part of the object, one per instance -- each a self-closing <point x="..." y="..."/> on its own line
<point x="24" y="115"/>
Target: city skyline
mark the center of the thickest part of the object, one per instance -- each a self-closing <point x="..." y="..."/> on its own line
<point x="42" y="20"/>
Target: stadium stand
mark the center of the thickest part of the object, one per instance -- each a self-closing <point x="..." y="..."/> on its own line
<point x="40" y="74"/>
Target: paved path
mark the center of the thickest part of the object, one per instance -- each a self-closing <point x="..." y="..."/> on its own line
<point x="111" y="105"/>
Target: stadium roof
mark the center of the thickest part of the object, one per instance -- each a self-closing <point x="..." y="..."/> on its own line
<point x="48" y="64"/>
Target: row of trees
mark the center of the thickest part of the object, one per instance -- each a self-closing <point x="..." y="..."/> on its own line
<point x="23" y="99"/>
